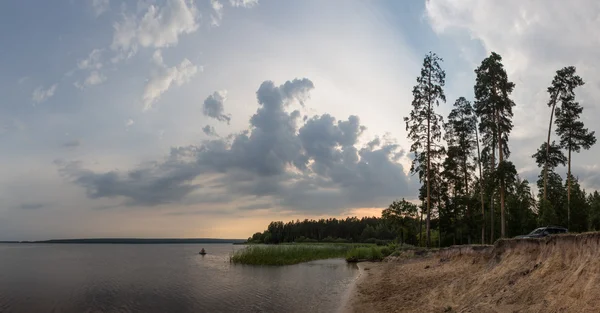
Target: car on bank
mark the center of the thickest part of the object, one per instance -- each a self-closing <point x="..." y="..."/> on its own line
<point x="545" y="231"/>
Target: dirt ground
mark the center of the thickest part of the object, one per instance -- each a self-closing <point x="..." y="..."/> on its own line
<point x="559" y="274"/>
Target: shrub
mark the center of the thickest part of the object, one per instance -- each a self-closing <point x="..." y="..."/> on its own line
<point x="300" y="239"/>
<point x="365" y="254"/>
<point x="385" y="251"/>
<point x="341" y="240"/>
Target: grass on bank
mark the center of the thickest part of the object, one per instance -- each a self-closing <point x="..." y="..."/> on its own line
<point x="286" y="254"/>
<point x="367" y="254"/>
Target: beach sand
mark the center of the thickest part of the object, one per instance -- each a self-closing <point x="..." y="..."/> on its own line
<point x="555" y="275"/>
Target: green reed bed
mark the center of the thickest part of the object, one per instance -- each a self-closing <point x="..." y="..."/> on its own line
<point x="288" y="254"/>
<point x="374" y="253"/>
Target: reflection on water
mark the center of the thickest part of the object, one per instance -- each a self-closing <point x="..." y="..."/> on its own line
<point x="161" y="278"/>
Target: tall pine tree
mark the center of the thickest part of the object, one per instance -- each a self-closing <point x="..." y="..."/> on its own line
<point x="563" y="84"/>
<point x="494" y="109"/>
<point x="424" y="124"/>
<point x="573" y="136"/>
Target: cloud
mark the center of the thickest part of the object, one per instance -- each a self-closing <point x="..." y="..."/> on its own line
<point x="158" y="27"/>
<point x="40" y="94"/>
<point x="72" y="143"/>
<point x="243" y="3"/>
<point x="282" y="162"/>
<point x="209" y="130"/>
<point x="160" y="83"/>
<point x="31" y="206"/>
<point x="129" y="122"/>
<point x="213" y="106"/>
<point x="94" y="78"/>
<point x="217" y="15"/>
<point x="158" y="183"/>
<point x="100" y="6"/>
<point x="92" y="62"/>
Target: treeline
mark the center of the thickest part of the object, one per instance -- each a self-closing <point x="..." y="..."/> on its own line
<point x="351" y="229"/>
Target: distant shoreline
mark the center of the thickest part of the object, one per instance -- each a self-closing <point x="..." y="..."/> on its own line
<point x="134" y="241"/>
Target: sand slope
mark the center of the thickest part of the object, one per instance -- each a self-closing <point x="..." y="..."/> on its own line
<point x="557" y="274"/>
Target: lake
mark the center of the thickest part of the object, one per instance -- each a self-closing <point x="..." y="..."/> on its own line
<point x="162" y="278"/>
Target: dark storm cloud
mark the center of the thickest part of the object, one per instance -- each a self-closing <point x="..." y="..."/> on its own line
<point x="152" y="184"/>
<point x="310" y="165"/>
<point x="213" y="107"/>
<point x="209" y="130"/>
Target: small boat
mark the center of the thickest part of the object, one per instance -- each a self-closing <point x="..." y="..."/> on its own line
<point x="202" y="252"/>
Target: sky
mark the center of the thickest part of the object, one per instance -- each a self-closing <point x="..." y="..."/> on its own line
<point x="211" y="118"/>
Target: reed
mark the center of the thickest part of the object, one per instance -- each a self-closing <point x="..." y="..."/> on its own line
<point x="289" y="253"/>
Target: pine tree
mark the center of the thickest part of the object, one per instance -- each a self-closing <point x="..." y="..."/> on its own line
<point x="494" y="109"/>
<point x="550" y="202"/>
<point x="579" y="215"/>
<point x="423" y="124"/>
<point x="563" y="85"/>
<point x="520" y="208"/>
<point x="593" y="201"/>
<point x="573" y="136"/>
<point x="458" y="166"/>
<point x="400" y="213"/>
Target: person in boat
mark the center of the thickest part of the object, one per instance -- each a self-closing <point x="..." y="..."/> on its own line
<point x="202" y="251"/>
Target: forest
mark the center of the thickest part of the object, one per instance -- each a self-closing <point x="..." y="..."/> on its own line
<point x="470" y="190"/>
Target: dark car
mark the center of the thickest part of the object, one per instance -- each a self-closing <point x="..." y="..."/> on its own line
<point x="545" y="231"/>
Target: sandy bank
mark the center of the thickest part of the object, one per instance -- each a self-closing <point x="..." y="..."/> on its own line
<point x="557" y="274"/>
<point x="347" y="303"/>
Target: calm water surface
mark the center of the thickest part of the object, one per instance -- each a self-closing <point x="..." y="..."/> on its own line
<point x="161" y="278"/>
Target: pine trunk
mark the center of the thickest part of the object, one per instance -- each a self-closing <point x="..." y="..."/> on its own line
<point x="548" y="151"/>
<point x="569" y="191"/>
<point x="480" y="188"/>
<point x="500" y="159"/>
<point x="492" y="224"/>
<point x="428" y="237"/>
<point x="421" y="225"/>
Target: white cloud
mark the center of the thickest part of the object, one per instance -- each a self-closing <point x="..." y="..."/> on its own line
<point x="160" y="83"/>
<point x="243" y="3"/>
<point x="95" y="78"/>
<point x="129" y="122"/>
<point x="100" y="6"/>
<point x="159" y="27"/>
<point x="92" y="62"/>
<point x="215" y="18"/>
<point x="40" y="94"/>
<point x="157" y="57"/>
